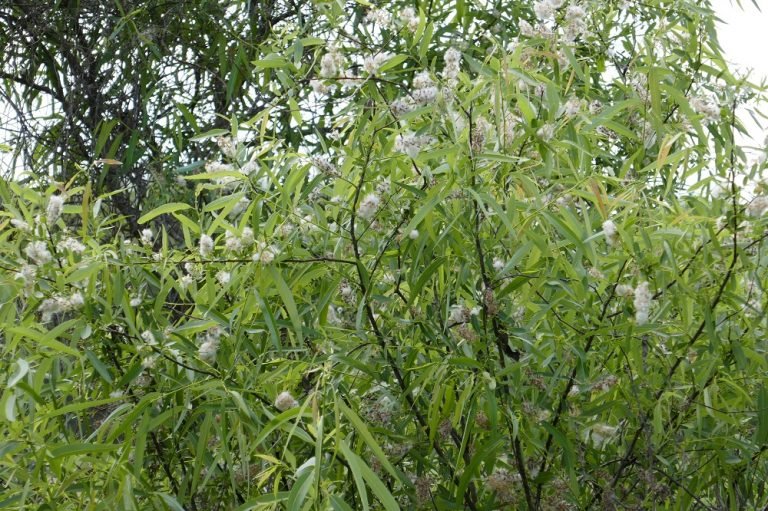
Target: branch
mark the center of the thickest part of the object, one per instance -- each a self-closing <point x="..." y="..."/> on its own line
<point x="572" y="379"/>
<point x="629" y="458"/>
<point x="32" y="85"/>
<point x="382" y="341"/>
<point x="501" y="337"/>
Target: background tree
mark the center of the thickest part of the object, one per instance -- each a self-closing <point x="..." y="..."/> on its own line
<point x="129" y="81"/>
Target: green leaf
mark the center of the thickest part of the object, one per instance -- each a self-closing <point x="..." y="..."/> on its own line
<point x="271" y="62"/>
<point x="290" y="305"/>
<point x="367" y="437"/>
<point x="426" y="209"/>
<point x="45" y="339"/>
<point x="355" y="466"/>
<point x="99" y="366"/>
<point x="338" y="504"/>
<point x="9" y="405"/>
<point x="140" y="444"/>
<point x="210" y="134"/>
<point x="424" y="277"/>
<point x="78" y="449"/>
<point x="258" y="502"/>
<point x="76" y="407"/>
<point x="484" y="455"/>
<point x="162" y="210"/>
<point x="393" y="62"/>
<point x="84" y="272"/>
<point x="18" y="375"/>
<point x="301" y="486"/>
<point x="569" y="454"/>
<point x="761" y="435"/>
<point x="170" y="501"/>
<point x="359" y="468"/>
<point x="282" y="421"/>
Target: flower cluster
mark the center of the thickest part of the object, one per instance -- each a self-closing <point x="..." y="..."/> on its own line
<point x="285" y="401"/>
<point x="452" y="66"/>
<point x="379" y="18"/>
<point x="575" y="22"/>
<point x="59" y="305"/>
<point x="235" y="243"/>
<point x="209" y="344"/>
<point x="239" y="207"/>
<point x="423" y="89"/>
<point x="409" y="19"/>
<point x="504" y="484"/>
<point x="20" y="224"/>
<point x="319" y="86"/>
<point x="610" y="231"/>
<point x="510" y="124"/>
<point x="38" y="252"/>
<point x="546" y="132"/>
<point x="423" y="485"/>
<point x="411" y="144"/>
<point x="54" y="209"/>
<point x="347" y="292"/>
<point x="334" y="315"/>
<point x="703" y="106"/>
<point x="639" y="82"/>
<point x="758" y="205"/>
<point x="605" y="384"/>
<point x="573" y="106"/>
<point x="195" y="271"/>
<point x="223" y="277"/>
<point x="27" y="274"/>
<point x="331" y="63"/>
<point x="459" y="313"/>
<point x="642" y="303"/>
<point x="545" y="9"/>
<point x="149" y="338"/>
<point x="323" y="164"/>
<point x="70" y="244"/>
<point x="373" y="63"/>
<point x="227" y="146"/>
<point x="527" y="30"/>
<point x="264" y="253"/>
<point x="147" y="237"/>
<point x="601" y="434"/>
<point x="380" y="411"/>
<point x="595" y="273"/>
<point x="206" y="245"/>
<point x="624" y="290"/>
<point x="369" y="206"/>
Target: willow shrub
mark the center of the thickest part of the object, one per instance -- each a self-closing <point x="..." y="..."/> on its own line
<point x="523" y="274"/>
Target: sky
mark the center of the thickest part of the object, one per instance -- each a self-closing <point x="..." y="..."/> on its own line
<point x="743" y="35"/>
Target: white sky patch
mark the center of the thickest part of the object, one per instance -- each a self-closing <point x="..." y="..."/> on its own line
<point x="743" y="35"/>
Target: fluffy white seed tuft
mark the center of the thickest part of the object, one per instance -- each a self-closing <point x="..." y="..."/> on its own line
<point x="285" y="401"/>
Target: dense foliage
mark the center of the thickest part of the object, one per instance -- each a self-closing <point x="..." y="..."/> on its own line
<point x="471" y="256"/>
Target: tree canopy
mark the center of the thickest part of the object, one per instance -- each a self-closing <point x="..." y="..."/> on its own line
<point x="438" y="255"/>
